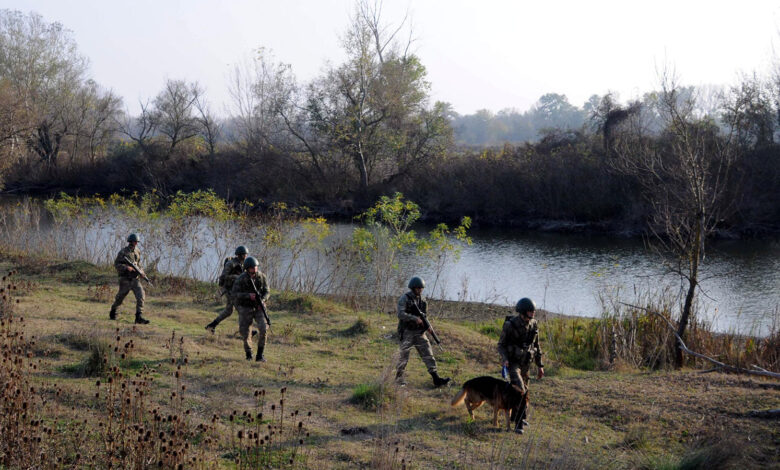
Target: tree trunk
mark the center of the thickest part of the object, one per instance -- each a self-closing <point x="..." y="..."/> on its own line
<point x="360" y="162"/>
<point x="684" y="318"/>
<point x="693" y="282"/>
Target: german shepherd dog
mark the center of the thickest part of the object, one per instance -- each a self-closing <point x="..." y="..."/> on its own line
<point x="499" y="394"/>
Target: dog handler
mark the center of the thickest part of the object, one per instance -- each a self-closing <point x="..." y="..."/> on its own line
<point x="519" y="344"/>
<point x="411" y="332"/>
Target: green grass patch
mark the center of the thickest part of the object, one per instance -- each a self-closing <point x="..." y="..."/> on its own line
<point x="370" y="396"/>
<point x="446" y="357"/>
<point x="492" y="329"/>
<point x="572" y="342"/>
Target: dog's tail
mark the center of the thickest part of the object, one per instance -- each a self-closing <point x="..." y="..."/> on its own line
<point x="459" y="398"/>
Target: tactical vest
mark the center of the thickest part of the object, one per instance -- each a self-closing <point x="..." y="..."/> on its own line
<point x="411" y="310"/>
<point x="121" y="265"/>
<point x="520" y="339"/>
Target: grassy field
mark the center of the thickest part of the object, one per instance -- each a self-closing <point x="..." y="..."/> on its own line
<point x="337" y="363"/>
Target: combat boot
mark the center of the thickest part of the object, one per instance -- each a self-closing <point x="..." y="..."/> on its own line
<point x="400" y="379"/>
<point x="140" y="320"/>
<point x="211" y="326"/>
<point x="438" y="381"/>
<point x="112" y="314"/>
<point x="248" y="355"/>
<point x="259" y="357"/>
<point x="519" y="421"/>
<point x="521" y="416"/>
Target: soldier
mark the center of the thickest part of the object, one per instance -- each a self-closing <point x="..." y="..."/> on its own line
<point x="519" y="345"/>
<point x="232" y="268"/>
<point x="411" y="332"/>
<point x="129" y="279"/>
<point x="250" y="292"/>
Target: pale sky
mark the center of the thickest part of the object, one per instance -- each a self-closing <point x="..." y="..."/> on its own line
<point x="486" y="54"/>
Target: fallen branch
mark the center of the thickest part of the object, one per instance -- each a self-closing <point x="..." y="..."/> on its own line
<point x="739" y="370"/>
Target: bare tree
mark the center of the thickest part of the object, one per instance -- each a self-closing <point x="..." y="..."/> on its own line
<point x="168" y="121"/>
<point x="261" y="88"/>
<point x="683" y="172"/>
<point x="164" y="126"/>
<point x="15" y="124"/>
<point x="210" y="129"/>
<point x="41" y="63"/>
<point x="751" y="114"/>
<point x="93" y="119"/>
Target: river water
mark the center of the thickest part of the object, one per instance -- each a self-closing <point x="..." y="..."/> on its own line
<point x="568" y="274"/>
<point x="572" y="274"/>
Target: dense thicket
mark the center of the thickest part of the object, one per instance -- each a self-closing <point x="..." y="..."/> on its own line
<point x="366" y="127"/>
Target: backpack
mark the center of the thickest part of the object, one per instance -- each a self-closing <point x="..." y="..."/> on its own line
<point x="221" y="280"/>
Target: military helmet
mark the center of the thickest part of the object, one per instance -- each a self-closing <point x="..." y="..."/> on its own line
<point x="525" y="305"/>
<point x="250" y="262"/>
<point x="132" y="238"/>
<point x="416" y="282"/>
<point x="241" y="250"/>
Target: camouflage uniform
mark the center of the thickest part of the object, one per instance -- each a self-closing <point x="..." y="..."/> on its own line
<point x="411" y="334"/>
<point x="519" y="344"/>
<point x="230" y="271"/>
<point x="128" y="280"/>
<point x="248" y="311"/>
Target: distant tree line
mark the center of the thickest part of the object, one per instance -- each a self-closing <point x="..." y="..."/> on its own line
<point x="366" y="127"/>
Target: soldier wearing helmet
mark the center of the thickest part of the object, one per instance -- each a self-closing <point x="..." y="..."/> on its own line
<point x="519" y="345"/>
<point x="249" y="290"/>
<point x="129" y="279"/>
<point x="231" y="269"/>
<point x="411" y="333"/>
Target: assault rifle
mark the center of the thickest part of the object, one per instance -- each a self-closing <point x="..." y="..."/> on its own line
<point x="138" y="270"/>
<point x="426" y="323"/>
<point x="260" y="304"/>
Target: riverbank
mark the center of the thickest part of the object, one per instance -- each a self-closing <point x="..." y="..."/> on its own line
<point x="322" y="352"/>
<point x="345" y="211"/>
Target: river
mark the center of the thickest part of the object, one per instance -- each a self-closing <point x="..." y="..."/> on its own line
<point x="572" y="274"/>
<point x="567" y="273"/>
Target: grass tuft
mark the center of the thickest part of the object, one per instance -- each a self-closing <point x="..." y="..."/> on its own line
<point x="370" y="396"/>
<point x="360" y="327"/>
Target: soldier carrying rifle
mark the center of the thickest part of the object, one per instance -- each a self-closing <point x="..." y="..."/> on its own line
<point x="250" y="292"/>
<point x="130" y="275"/>
<point x="231" y="269"/>
<point x="412" y="326"/>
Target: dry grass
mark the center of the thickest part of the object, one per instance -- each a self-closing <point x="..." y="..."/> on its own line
<point x="317" y="358"/>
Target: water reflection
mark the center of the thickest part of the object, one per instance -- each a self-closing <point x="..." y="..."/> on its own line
<point x="563" y="273"/>
<point x="566" y="273"/>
